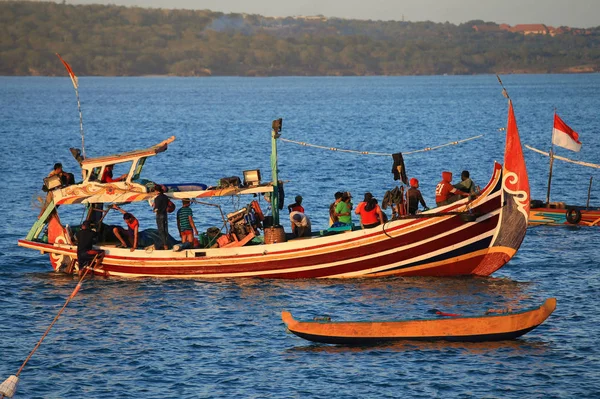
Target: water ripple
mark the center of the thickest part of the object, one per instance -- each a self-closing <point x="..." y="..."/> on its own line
<point x="156" y="338"/>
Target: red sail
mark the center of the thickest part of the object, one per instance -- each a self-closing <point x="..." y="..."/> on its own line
<point x="515" y="172"/>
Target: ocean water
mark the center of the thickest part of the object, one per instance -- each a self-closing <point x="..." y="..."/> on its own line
<point x="157" y="338"/>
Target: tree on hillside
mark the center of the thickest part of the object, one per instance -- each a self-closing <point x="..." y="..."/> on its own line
<point x="123" y="41"/>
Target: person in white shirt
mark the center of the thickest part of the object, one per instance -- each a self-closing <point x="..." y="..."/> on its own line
<point x="300" y="224"/>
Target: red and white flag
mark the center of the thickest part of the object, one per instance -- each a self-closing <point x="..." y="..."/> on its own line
<point x="564" y="136"/>
<point x="70" y="71"/>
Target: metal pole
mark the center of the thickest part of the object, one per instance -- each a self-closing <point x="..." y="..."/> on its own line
<point x="587" y="206"/>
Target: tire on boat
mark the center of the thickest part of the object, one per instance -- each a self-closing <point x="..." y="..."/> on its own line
<point x="573" y="215"/>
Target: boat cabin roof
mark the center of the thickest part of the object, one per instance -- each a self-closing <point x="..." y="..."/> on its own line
<point x="130" y="189"/>
<point x="90" y="163"/>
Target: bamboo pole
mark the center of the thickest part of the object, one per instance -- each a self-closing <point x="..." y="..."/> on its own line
<point x="588" y="164"/>
<point x="587" y="206"/>
<point x="275" y="134"/>
<point x="550" y="176"/>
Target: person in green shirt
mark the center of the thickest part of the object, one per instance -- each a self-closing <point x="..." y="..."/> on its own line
<point x="466" y="184"/>
<point x="185" y="225"/>
<point x="343" y="210"/>
<point x="332" y="218"/>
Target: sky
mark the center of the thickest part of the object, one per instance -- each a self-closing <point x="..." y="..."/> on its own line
<point x="573" y="13"/>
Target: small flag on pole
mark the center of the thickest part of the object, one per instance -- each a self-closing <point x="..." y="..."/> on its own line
<point x="71" y="74"/>
<point x="564" y="136"/>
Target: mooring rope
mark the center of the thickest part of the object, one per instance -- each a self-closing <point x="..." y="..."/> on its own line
<point x="75" y="291"/>
<point x="302" y="143"/>
<point x="13" y="380"/>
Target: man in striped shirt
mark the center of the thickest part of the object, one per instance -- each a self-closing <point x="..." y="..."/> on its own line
<point x="185" y="224"/>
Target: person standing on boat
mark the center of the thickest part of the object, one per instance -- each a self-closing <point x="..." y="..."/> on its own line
<point x="85" y="242"/>
<point x="332" y="218"/>
<point x="466" y="184"/>
<point x="343" y="210"/>
<point x="130" y="237"/>
<point x="413" y="196"/>
<point x="445" y="193"/>
<point x="107" y="175"/>
<point x="301" y="226"/>
<point x="370" y="212"/>
<point x="185" y="224"/>
<point x="296" y="206"/>
<point x="161" y="202"/>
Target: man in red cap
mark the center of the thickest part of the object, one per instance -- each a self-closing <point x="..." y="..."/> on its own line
<point x="414" y="196"/>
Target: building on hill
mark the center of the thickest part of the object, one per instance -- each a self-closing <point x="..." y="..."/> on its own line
<point x="530" y="29"/>
<point x="533" y="29"/>
<point x="311" y="17"/>
<point x="526" y="29"/>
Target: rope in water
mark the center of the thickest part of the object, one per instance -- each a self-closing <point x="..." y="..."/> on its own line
<point x="302" y="143"/>
<point x="75" y="291"/>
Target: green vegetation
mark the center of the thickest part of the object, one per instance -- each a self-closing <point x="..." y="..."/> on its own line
<point x="115" y="41"/>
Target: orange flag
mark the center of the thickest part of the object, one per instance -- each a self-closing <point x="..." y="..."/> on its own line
<point x="71" y="74"/>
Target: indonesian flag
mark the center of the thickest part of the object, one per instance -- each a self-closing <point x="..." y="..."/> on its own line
<point x="564" y="136"/>
<point x="71" y="74"/>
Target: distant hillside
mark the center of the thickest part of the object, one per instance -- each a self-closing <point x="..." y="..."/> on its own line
<point x="113" y="40"/>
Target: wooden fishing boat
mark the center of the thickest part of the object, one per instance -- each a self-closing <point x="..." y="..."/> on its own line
<point x="559" y="213"/>
<point x="469" y="237"/>
<point x="489" y="327"/>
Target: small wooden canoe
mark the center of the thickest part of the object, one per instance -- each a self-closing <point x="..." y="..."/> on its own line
<point x="489" y="327"/>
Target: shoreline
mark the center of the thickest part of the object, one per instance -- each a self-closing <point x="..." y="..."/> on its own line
<point x="580" y="72"/>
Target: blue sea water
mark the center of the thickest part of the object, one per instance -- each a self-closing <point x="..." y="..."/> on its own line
<point x="156" y="338"/>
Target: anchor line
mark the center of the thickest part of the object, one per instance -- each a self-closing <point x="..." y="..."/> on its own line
<point x="75" y="291"/>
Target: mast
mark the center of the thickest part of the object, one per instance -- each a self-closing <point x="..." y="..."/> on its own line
<point x="587" y="206"/>
<point x="551" y="153"/>
<point x="550" y="174"/>
<point x="275" y="134"/>
<point x="75" y="82"/>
